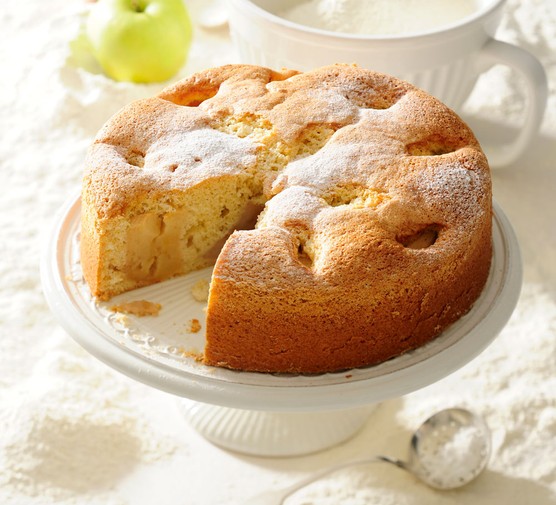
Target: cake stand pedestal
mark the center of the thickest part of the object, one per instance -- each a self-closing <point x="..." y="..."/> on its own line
<point x="254" y="413"/>
<point x="277" y="434"/>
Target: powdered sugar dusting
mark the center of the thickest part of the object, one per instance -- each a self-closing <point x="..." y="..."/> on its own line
<point x="440" y="182"/>
<point x="295" y="203"/>
<point x="312" y="106"/>
<point x="199" y="154"/>
<point x="326" y="168"/>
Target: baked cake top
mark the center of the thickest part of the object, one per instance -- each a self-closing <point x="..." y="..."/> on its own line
<point x="344" y="134"/>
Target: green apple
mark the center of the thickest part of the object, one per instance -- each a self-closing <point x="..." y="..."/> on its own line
<point x="140" y="40"/>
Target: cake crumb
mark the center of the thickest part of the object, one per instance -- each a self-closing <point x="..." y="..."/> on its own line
<point x="192" y="353"/>
<point x="138" y="308"/>
<point x="195" y="326"/>
<point x="200" y="290"/>
<point x="122" y="319"/>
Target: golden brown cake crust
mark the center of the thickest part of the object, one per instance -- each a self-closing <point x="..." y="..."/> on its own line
<point x="372" y="241"/>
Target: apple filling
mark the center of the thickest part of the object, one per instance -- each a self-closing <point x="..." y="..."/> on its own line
<point x="421" y="239"/>
<point x="163" y="245"/>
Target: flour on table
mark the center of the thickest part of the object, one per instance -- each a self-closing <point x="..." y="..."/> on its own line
<point x="72" y="428"/>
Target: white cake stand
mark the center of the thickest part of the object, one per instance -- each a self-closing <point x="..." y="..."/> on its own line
<point x="264" y="414"/>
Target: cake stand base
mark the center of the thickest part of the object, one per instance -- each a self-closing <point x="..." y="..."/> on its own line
<point x="274" y="434"/>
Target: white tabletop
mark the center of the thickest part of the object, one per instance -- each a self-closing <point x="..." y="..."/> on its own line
<point x="75" y="431"/>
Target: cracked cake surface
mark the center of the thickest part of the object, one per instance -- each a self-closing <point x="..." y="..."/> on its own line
<point x="347" y="213"/>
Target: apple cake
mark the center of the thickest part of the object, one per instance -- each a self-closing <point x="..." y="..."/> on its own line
<point x="347" y="213"/>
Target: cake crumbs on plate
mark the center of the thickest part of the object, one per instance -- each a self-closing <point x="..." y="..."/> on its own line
<point x="138" y="308"/>
<point x="194" y="326"/>
<point x="122" y="319"/>
<point x="196" y="355"/>
<point x="200" y="290"/>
